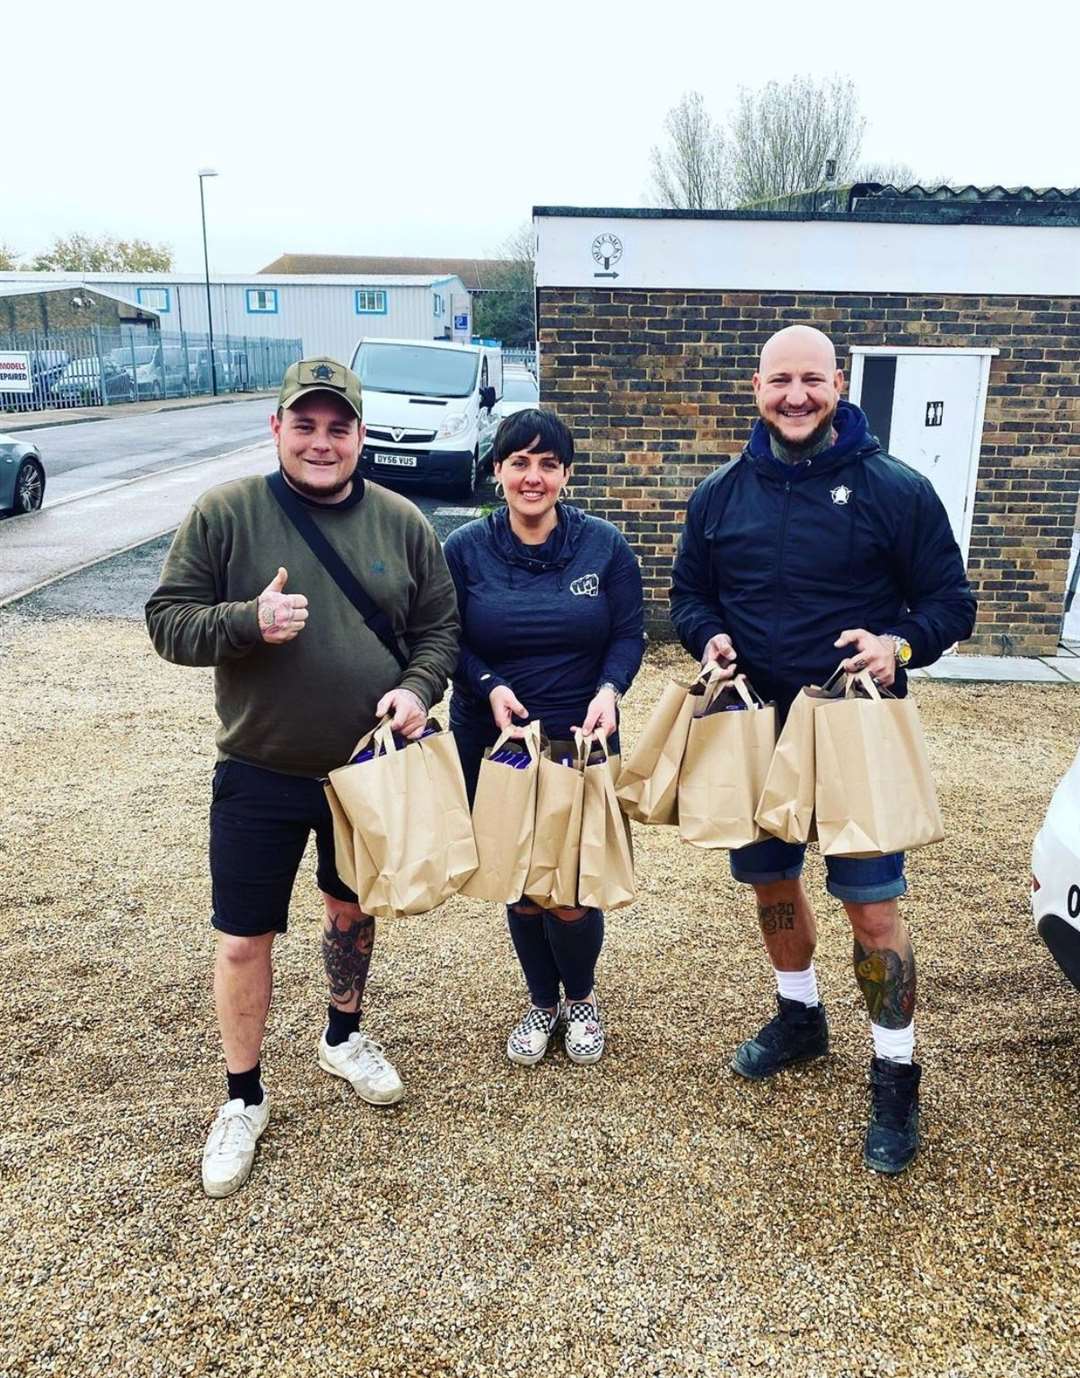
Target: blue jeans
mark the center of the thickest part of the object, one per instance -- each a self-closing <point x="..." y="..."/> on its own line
<point x="855" y="879"/>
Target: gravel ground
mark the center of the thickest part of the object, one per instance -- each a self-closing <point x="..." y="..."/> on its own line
<point x="651" y="1215"/>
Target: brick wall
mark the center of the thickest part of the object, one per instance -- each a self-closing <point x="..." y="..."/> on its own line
<point x="656" y="387"/>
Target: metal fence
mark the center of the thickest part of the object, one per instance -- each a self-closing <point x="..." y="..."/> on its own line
<point x="100" y="366"/>
<point x="520" y="356"/>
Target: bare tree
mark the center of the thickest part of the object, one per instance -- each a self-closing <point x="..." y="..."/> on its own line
<point x="782" y="136"/>
<point x="8" y="259"/>
<point x="888" y="174"/>
<point x="103" y="254"/>
<point x="506" y="310"/>
<point x="690" y="172"/>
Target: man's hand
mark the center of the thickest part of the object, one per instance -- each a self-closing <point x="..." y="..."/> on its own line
<point x="720" y="651"/>
<point x="874" y="653"/>
<point x="600" y="716"/>
<point x="505" y="708"/>
<point x="281" y="615"/>
<point x="410" y="715"/>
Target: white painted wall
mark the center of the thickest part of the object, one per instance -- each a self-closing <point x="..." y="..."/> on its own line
<point x="807" y="256"/>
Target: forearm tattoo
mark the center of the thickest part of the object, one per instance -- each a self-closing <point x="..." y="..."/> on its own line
<point x="887" y="981"/>
<point x="774" y="917"/>
<point x="346" y="949"/>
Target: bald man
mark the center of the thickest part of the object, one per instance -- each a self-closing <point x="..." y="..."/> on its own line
<point x="811" y="547"/>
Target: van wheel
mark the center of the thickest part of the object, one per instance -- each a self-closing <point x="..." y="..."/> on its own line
<point x="468" y="486"/>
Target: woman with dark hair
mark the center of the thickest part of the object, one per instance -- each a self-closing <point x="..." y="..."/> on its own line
<point x="552" y="628"/>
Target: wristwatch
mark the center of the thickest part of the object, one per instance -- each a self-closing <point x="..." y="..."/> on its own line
<point x="607" y="684"/>
<point x="902" y="647"/>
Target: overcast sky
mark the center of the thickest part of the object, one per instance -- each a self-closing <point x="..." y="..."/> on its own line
<point x="422" y="128"/>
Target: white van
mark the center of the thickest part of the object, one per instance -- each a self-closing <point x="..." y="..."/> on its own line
<point x="424" y="402"/>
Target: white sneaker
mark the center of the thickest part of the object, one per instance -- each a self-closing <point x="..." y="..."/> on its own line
<point x="528" y="1042"/>
<point x="584" y="1040"/>
<point x="365" y="1066"/>
<point x="230" y="1145"/>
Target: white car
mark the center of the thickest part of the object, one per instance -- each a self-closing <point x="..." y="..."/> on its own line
<point x="1055" y="875"/>
<point x="519" y="391"/>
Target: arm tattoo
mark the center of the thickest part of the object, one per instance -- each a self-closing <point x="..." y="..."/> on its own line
<point x="346" y="950"/>
<point x="774" y="917"/>
<point x="887" y="981"/>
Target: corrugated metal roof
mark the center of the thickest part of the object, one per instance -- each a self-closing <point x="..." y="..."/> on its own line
<point x="475" y="273"/>
<point x="31" y="289"/>
<point x="234" y="279"/>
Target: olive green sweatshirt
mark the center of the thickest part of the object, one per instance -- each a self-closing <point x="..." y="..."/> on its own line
<point x="300" y="707"/>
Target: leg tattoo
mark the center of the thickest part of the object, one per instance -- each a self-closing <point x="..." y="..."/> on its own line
<point x="887" y="981"/>
<point x="774" y="917"/>
<point x="346" y="948"/>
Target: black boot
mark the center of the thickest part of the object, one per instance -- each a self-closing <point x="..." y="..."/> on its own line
<point x="892" y="1136"/>
<point x="796" y="1034"/>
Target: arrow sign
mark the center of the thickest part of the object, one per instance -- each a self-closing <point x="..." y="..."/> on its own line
<point x="605" y="275"/>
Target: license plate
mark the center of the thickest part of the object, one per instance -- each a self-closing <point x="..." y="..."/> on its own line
<point x="398" y="461"/>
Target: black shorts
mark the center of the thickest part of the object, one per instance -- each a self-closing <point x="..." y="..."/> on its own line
<point x="260" y="822"/>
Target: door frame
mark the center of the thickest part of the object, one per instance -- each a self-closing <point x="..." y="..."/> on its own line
<point x="984" y="355"/>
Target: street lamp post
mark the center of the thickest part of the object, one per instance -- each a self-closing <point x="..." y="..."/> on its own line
<point x="208" y="172"/>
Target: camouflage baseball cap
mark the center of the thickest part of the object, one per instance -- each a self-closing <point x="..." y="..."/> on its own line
<point x="321" y="375"/>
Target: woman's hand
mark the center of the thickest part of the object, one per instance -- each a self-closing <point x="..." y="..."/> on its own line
<point x="505" y="708"/>
<point x="600" y="716"/>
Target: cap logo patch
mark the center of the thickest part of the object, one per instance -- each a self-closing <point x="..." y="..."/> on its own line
<point x="840" y="494"/>
<point x="323" y="373"/>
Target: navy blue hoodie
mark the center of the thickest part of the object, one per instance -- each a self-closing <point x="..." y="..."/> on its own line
<point x="552" y="621"/>
<point x="784" y="557"/>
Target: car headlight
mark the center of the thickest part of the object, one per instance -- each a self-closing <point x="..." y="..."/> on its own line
<point x="452" y="425"/>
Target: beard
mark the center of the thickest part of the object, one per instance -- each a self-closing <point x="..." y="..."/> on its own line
<point x="808" y="443"/>
<point x="312" y="490"/>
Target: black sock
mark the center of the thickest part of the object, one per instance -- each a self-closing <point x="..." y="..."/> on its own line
<point x="339" y="1024"/>
<point x="246" y="1086"/>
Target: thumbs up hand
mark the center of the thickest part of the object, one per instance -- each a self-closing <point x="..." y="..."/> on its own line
<point x="281" y="615"/>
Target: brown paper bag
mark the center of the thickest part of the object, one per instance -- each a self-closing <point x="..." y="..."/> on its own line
<point x="785" y="807"/>
<point x="606" y="862"/>
<point x="411" y="839"/>
<point x="648" y="783"/>
<point x="874" y="792"/>
<point x="723" y="770"/>
<point x="560" y="788"/>
<point x="503" y="815"/>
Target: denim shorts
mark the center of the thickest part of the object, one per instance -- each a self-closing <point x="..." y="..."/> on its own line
<point x="857" y="880"/>
<point x="260" y="822"/>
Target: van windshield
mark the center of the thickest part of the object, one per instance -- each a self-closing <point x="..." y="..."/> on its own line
<point x="144" y="354"/>
<point x="415" y="369"/>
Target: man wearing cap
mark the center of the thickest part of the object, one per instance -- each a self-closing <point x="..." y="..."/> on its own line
<point x="300" y="673"/>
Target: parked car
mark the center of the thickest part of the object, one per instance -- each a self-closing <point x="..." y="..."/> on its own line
<point x="1055" y="875"/>
<point x="519" y="391"/>
<point x="199" y="374"/>
<point x="157" y="372"/>
<point x="22" y="476"/>
<point x="85" y="381"/>
<point x="46" y="365"/>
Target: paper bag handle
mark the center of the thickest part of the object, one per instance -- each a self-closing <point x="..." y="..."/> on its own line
<point x="381" y="734"/>
<point x="584" y="741"/>
<point x="530" y="736"/>
<point x="746" y="691"/>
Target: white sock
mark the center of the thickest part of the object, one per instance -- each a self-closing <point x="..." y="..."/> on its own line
<point x="897" y="1045"/>
<point x="798" y="985"/>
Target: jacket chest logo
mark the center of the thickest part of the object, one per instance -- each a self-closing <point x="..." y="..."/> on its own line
<point x="840" y="494"/>
<point x="588" y="586"/>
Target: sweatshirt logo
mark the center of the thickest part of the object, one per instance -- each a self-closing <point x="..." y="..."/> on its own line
<point x="587" y="586"/>
<point x="840" y="495"/>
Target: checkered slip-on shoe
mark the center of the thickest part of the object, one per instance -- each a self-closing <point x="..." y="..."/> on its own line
<point x="584" y="1040"/>
<point x="529" y="1040"/>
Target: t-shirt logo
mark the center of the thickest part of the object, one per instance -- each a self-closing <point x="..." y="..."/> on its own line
<point x="587" y="586"/>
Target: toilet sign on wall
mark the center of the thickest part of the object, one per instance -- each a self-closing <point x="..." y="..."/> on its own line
<point x="935" y="413"/>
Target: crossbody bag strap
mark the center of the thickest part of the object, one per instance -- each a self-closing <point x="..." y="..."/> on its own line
<point x="335" y="566"/>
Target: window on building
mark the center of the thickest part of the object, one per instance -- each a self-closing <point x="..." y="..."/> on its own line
<point x="262" y="301"/>
<point x="370" y="301"/>
<point x="438" y="305"/>
<point x="156" y="298"/>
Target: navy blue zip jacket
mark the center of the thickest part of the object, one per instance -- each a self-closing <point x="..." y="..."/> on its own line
<point x="553" y="621"/>
<point x="784" y="557"/>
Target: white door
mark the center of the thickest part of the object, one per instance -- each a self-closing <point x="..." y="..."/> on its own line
<point x="927" y="409"/>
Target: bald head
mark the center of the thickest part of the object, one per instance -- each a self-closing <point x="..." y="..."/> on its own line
<point x="804" y="343"/>
<point x="797" y="387"/>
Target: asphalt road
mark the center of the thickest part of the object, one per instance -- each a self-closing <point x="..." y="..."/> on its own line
<point x="89" y="454"/>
